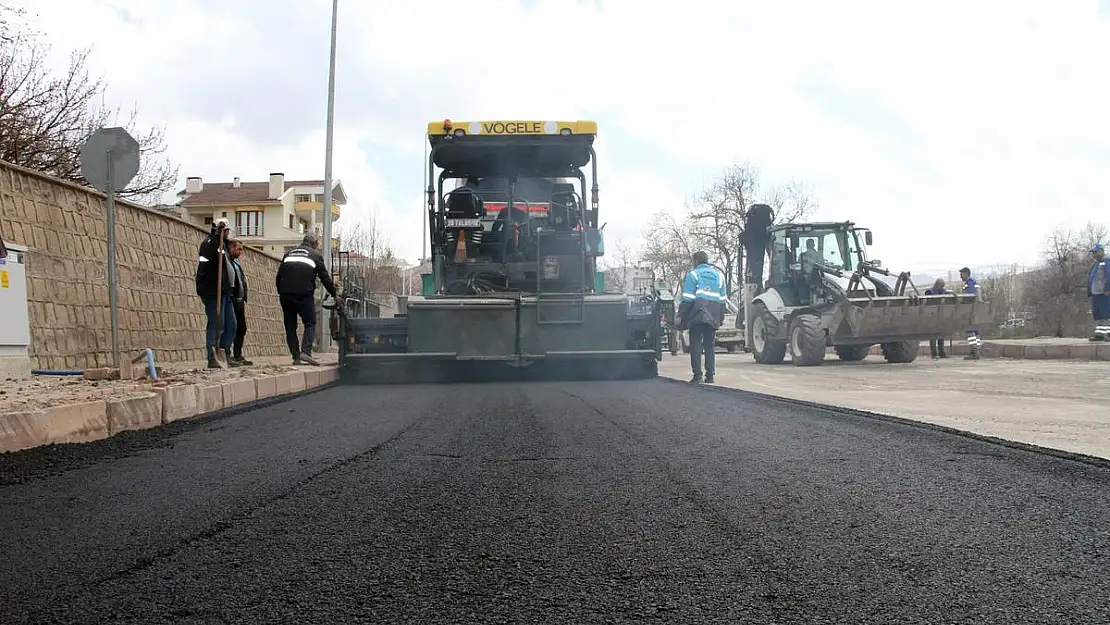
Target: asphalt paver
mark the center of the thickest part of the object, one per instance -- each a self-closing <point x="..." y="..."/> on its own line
<point x="614" y="502"/>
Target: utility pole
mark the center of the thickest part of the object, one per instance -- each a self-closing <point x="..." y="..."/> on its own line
<point x="325" y="336"/>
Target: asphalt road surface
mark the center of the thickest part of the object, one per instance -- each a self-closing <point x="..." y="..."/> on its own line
<point x="645" y="502"/>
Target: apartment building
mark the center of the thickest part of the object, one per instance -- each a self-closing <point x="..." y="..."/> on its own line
<point x="270" y="216"/>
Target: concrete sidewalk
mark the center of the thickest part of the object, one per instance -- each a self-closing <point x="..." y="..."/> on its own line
<point x="1060" y="404"/>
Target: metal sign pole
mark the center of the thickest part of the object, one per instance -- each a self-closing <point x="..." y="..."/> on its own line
<point x="113" y="308"/>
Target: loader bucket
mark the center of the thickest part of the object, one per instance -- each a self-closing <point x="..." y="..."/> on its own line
<point x="889" y="319"/>
<point x="501" y="339"/>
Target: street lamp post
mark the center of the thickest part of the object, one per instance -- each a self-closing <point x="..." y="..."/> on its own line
<point x="324" y="338"/>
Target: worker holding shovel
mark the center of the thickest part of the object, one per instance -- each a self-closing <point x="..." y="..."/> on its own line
<point x="215" y="284"/>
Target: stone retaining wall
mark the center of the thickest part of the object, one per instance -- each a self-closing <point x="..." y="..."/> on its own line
<point x="64" y="225"/>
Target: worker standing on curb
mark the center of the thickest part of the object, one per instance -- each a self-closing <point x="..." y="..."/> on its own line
<point x="216" y="283"/>
<point x="239" y="298"/>
<point x="701" y="312"/>
<point x="936" y="346"/>
<point x="1098" y="289"/>
<point x="974" y="339"/>
<point x="296" y="287"/>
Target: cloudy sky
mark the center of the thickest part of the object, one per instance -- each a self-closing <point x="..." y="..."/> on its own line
<point x="961" y="132"/>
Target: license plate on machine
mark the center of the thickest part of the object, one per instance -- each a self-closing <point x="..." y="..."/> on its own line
<point x="464" y="223"/>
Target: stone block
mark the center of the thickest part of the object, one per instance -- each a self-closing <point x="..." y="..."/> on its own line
<point x="1057" y="352"/>
<point x="102" y="373"/>
<point x="1102" y="352"/>
<point x="242" y="391"/>
<point x="71" y="423"/>
<point x="330" y="374"/>
<point x="266" y="386"/>
<point x="210" y="397"/>
<point x="138" y="412"/>
<point x="1083" y="352"/>
<point x="313" y="378"/>
<point x="1035" y="352"/>
<point x="292" y="382"/>
<point x="179" y="401"/>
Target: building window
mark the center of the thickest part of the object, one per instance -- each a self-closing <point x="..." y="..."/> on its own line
<point x="292" y="222"/>
<point x="208" y="220"/>
<point x="304" y="197"/>
<point x="248" y="223"/>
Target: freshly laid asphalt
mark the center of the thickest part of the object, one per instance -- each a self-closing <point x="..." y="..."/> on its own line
<point x="609" y="502"/>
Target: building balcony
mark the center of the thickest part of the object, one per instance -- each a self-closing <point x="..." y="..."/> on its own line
<point x="307" y="208"/>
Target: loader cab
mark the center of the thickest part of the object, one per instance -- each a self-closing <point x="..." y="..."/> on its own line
<point x="797" y="252"/>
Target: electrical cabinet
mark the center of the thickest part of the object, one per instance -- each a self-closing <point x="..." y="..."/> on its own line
<point x="15" y="326"/>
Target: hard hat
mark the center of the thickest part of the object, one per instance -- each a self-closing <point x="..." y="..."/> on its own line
<point x="1097" y="248"/>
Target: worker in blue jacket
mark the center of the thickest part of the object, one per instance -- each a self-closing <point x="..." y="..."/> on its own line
<point x="701" y="312"/>
<point x="1098" y="289"/>
<point x="974" y="339"/>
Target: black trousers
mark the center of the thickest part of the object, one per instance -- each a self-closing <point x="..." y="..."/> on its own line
<point x="240" y="328"/>
<point x="304" y="307"/>
<point x="703" y="339"/>
<point x="757" y="255"/>
<point x="936" y="346"/>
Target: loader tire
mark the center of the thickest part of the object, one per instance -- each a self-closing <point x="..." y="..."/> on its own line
<point x="901" y="351"/>
<point x="852" y="353"/>
<point x="807" y="341"/>
<point x="766" y="351"/>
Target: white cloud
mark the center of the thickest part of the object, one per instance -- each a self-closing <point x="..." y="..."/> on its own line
<point x="960" y="132"/>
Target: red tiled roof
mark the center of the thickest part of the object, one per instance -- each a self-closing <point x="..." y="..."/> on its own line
<point x="247" y="192"/>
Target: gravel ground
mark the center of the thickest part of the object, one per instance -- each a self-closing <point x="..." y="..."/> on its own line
<point x="552" y="503"/>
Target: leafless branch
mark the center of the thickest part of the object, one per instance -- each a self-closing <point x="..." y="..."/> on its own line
<point x="46" y="118"/>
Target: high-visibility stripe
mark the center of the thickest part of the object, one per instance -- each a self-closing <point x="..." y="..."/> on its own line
<point x="201" y="259"/>
<point x="301" y="259"/>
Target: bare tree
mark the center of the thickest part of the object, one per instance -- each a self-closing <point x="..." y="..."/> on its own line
<point x="372" y="266"/>
<point x="46" y="118"/>
<point x="618" y="267"/>
<point x="717" y="220"/>
<point x="668" y="245"/>
<point x="1058" y="291"/>
<point x="1005" y="289"/>
<point x="12" y="21"/>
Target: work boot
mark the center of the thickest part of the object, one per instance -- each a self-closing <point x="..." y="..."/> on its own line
<point x="974" y="355"/>
<point x="243" y="361"/>
<point x="213" y="362"/>
<point x="1097" y="338"/>
<point x="709" y="378"/>
<point x="696" y="379"/>
<point x="232" y="361"/>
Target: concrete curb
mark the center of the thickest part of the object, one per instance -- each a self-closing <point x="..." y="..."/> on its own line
<point x="154" y="406"/>
<point x="992" y="349"/>
<point x="1096" y="461"/>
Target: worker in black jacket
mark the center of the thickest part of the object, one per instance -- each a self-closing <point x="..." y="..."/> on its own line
<point x="217" y="335"/>
<point x="296" y="287"/>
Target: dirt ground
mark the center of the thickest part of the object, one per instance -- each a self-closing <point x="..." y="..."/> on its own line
<point x="1060" y="404"/>
<point x="46" y="391"/>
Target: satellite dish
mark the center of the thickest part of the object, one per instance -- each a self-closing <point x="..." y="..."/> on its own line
<point x="110" y="155"/>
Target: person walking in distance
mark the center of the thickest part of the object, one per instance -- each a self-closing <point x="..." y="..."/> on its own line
<point x="936" y="346"/>
<point x="296" y="287"/>
<point x="701" y="312"/>
<point x="215" y="281"/>
<point x="239" y="301"/>
<point x="1098" y="289"/>
<point x="974" y="339"/>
